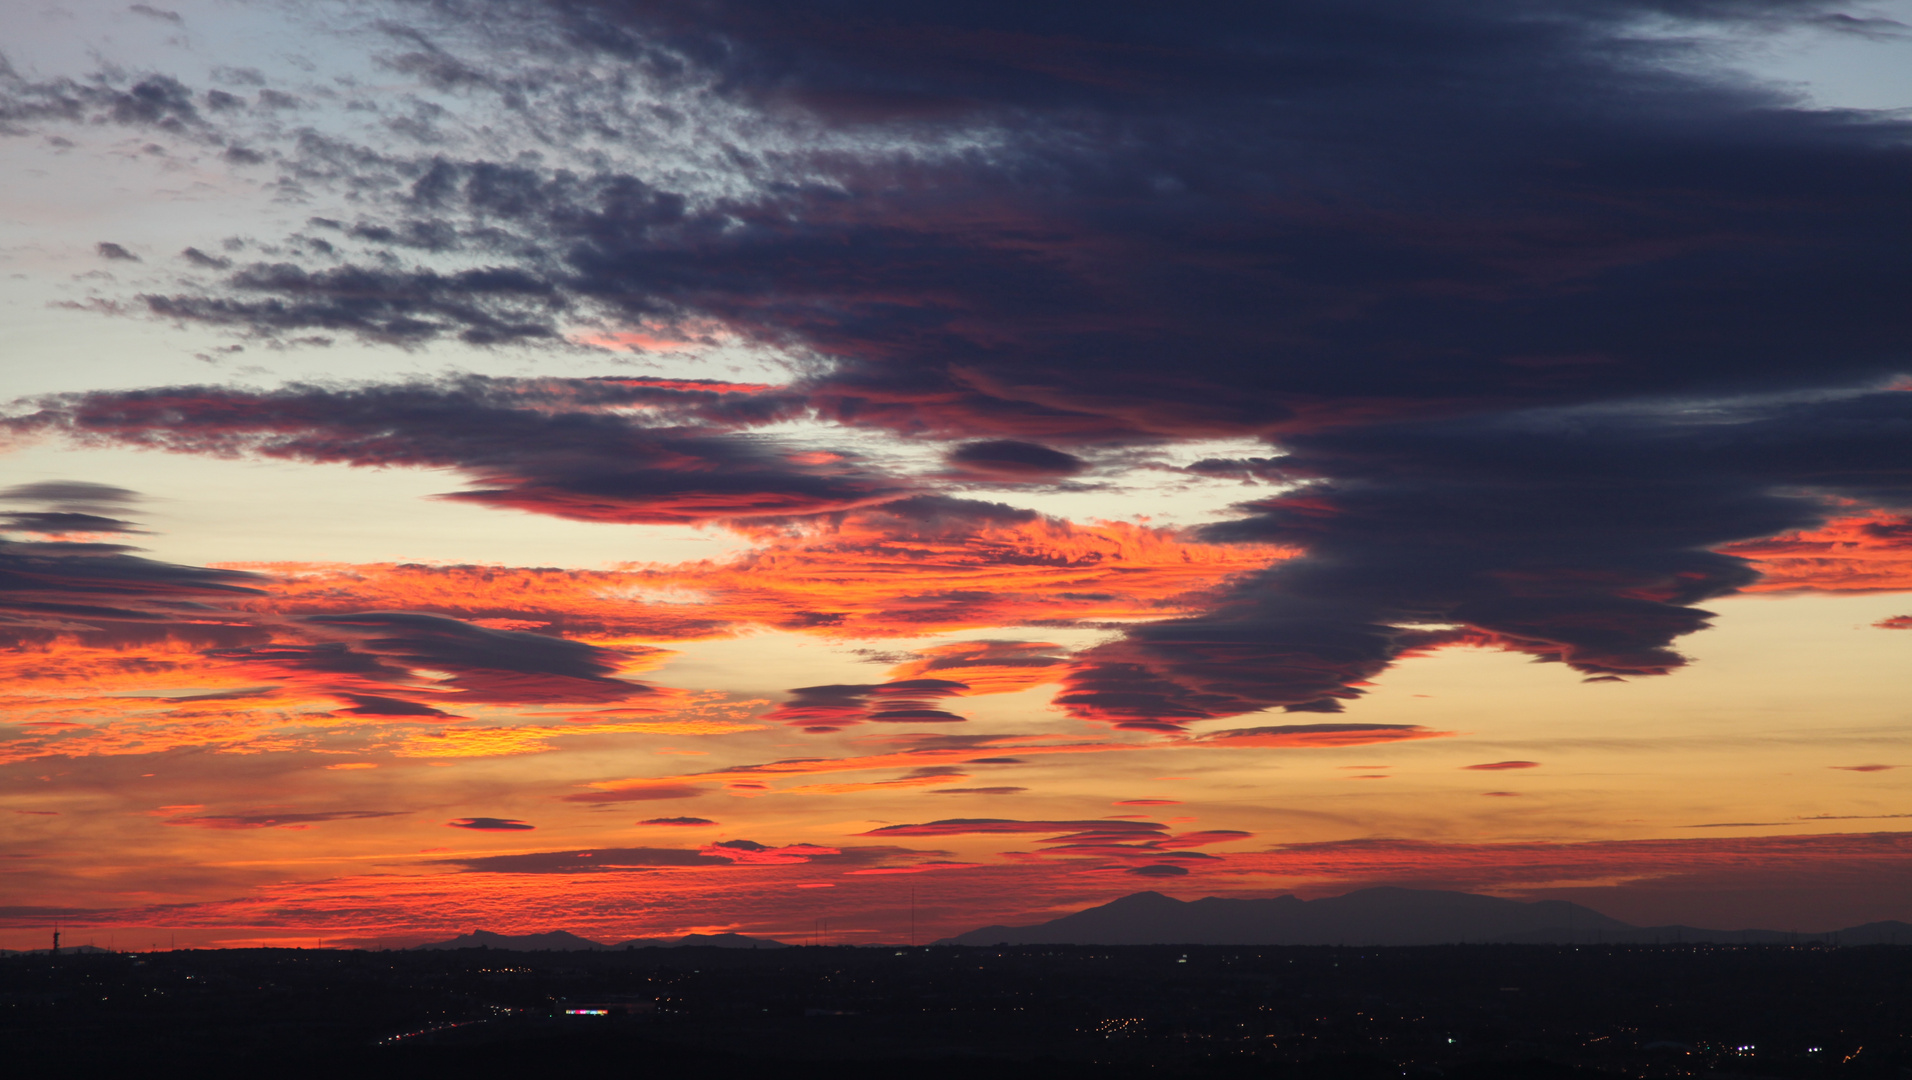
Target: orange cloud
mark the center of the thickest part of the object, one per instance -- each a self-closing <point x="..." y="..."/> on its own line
<point x="636" y="791"/>
<point x="1496" y="766"/>
<point x="1869" y="552"/>
<point x="1318" y="735"/>
<point x="869" y="573"/>
<point x="987" y="667"/>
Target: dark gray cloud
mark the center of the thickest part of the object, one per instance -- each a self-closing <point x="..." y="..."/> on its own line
<point x="105" y="595"/>
<point x="623" y="450"/>
<point x="383" y="649"/>
<point x="71" y="494"/>
<point x="1009" y="459"/>
<point x="276" y="821"/>
<point x="1538" y="309"/>
<point x="1584" y="537"/>
<point x="65" y="521"/>
<point x="491" y="824"/>
<point x="834" y="707"/>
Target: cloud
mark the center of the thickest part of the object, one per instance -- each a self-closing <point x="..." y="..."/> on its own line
<point x="724" y="855"/>
<point x="1105" y="843"/>
<point x="987" y="667"/>
<point x="1589" y="552"/>
<point x="819" y="709"/>
<point x="375" y="657"/>
<point x="977" y="791"/>
<point x="1306" y="735"/>
<point x="1863" y="768"/>
<point x="992" y="826"/>
<point x="101" y="593"/>
<point x="1869" y="552"/>
<point x="683" y="821"/>
<point x="918" y="868"/>
<point x="65" y="524"/>
<point x="751" y="853"/>
<point x="586" y="862"/>
<point x="1008" y="459"/>
<point x="490" y="824"/>
<point x="1495" y="766"/>
<point x="586" y="449"/>
<point x="906" y="568"/>
<point x="636" y="791"/>
<point x="79" y="495"/>
<point x="1158" y="870"/>
<point x="275" y="821"/>
<point x="1438" y="318"/>
<point x="156" y="13"/>
<point x="114" y="252"/>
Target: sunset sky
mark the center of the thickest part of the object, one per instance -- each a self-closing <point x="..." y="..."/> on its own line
<point x="650" y="466"/>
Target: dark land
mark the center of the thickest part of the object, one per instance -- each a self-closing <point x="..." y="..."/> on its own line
<point x="1466" y="1012"/>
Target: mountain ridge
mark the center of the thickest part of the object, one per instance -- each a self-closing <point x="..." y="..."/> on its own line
<point x="565" y="941"/>
<point x="1383" y="915"/>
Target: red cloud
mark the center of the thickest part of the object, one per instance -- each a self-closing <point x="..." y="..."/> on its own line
<point x="1863" y="768"/>
<point x="1496" y="766"/>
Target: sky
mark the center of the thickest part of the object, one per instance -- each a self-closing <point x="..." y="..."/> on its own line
<point x="643" y="467"/>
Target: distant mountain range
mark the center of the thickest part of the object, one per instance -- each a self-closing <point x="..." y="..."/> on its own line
<point x="565" y="941"/>
<point x="65" y="950"/>
<point x="1379" y="916"/>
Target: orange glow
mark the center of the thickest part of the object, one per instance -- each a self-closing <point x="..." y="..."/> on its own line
<point x="868" y="575"/>
<point x="750" y="889"/>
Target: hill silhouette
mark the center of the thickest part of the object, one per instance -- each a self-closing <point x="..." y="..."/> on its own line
<point x="565" y="941"/>
<point x="1379" y="916"/>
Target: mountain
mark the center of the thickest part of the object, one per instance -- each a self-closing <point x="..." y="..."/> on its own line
<point x="555" y="941"/>
<point x="1379" y="916"/>
<point x="728" y="941"/>
<point x="565" y="941"/>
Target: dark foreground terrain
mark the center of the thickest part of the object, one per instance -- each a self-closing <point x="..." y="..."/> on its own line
<point x="1464" y="1011"/>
